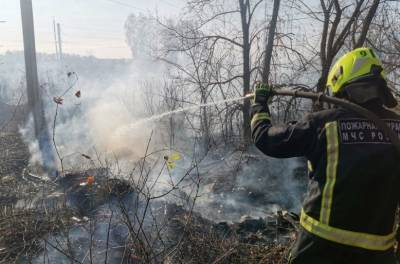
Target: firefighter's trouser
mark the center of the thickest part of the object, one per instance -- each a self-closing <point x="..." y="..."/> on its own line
<point x="309" y="249"/>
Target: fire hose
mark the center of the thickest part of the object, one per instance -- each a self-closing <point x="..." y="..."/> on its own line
<point x="393" y="137"/>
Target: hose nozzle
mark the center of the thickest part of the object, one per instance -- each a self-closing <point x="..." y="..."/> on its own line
<point x="249" y="96"/>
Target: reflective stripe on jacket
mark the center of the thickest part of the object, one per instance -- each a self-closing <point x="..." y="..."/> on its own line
<point x="354" y="173"/>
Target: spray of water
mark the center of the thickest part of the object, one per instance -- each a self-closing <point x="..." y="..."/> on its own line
<point x="129" y="127"/>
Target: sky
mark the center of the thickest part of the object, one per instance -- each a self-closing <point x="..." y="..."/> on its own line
<point x="89" y="27"/>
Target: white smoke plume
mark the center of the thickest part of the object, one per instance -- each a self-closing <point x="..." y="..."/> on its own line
<point x="110" y="98"/>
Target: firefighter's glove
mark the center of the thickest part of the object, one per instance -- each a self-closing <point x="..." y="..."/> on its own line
<point x="263" y="94"/>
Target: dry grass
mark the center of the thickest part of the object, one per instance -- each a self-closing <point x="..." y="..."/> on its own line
<point x="265" y="254"/>
<point x="204" y="244"/>
<point x="23" y="231"/>
<point x="14" y="154"/>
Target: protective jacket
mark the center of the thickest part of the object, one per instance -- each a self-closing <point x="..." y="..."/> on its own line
<point x="354" y="173"/>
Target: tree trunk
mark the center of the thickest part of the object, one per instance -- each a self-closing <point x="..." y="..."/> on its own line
<point x="244" y="6"/>
<point x="204" y="122"/>
<point x="270" y="42"/>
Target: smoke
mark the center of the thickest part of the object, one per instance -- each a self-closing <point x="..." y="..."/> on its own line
<point x="116" y="95"/>
<point x="100" y="116"/>
<point x="236" y="183"/>
<point x="249" y="183"/>
<point x="105" y="118"/>
<point x="33" y="145"/>
<point x="111" y="97"/>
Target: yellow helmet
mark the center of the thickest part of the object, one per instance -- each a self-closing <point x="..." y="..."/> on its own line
<point x="354" y="66"/>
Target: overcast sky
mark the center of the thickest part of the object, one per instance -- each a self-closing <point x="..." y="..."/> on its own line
<point x="89" y="27"/>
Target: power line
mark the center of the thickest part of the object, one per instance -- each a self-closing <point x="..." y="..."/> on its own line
<point x="94" y="36"/>
<point x="92" y="29"/>
<point x="70" y="40"/>
<point x="125" y="4"/>
<point x="169" y="3"/>
<point x="80" y="43"/>
<point x="96" y="46"/>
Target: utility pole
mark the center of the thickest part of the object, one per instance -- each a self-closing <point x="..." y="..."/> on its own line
<point x="55" y="37"/>
<point x="59" y="41"/>
<point x="35" y="102"/>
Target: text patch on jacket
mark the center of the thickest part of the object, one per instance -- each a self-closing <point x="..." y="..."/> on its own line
<point x="362" y="131"/>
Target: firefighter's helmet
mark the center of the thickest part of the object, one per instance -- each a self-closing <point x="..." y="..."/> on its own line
<point x="361" y="65"/>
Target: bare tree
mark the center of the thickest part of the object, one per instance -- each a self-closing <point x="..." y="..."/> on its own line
<point x="339" y="17"/>
<point x="232" y="31"/>
<point x="383" y="36"/>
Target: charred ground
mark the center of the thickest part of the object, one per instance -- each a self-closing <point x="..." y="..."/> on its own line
<point x="44" y="221"/>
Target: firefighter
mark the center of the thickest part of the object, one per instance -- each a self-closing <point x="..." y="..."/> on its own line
<point x="348" y="214"/>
